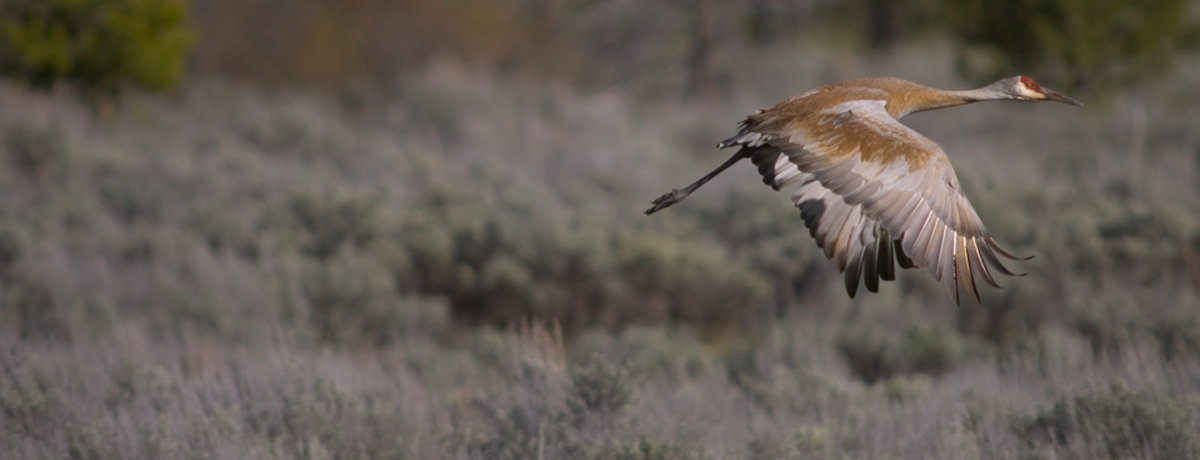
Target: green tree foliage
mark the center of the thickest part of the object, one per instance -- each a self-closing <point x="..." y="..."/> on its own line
<point x="1072" y="44"/>
<point x="98" y="44"/>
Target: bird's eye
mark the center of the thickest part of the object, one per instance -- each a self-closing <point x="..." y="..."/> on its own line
<point x="1028" y="83"/>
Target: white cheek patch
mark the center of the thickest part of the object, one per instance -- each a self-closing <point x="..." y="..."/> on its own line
<point x="1024" y="91"/>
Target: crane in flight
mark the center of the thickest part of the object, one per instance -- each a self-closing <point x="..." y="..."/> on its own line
<point x="873" y="192"/>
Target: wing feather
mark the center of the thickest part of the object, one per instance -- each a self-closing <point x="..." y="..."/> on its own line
<point x="887" y="269"/>
<point x="871" y="261"/>
<point x="977" y="265"/>
<point x="945" y="254"/>
<point x="874" y="193"/>
<point x="852" y="273"/>
<point x="933" y="250"/>
<point x="962" y="263"/>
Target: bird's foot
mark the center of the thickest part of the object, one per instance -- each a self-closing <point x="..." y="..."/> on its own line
<point x="668" y="199"/>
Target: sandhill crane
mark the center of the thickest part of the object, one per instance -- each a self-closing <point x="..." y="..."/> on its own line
<point x="872" y="190"/>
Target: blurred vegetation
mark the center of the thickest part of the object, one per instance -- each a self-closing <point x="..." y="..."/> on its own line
<point x="659" y="47"/>
<point x="1117" y="423"/>
<point x="458" y="200"/>
<point x="449" y="259"/>
<point x="100" y="45"/>
<point x="1073" y="45"/>
<point x="694" y="47"/>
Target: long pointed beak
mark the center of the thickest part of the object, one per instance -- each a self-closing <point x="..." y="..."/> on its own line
<point x="1052" y="95"/>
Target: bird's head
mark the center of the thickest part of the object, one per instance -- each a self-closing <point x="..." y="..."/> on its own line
<point x="1023" y="88"/>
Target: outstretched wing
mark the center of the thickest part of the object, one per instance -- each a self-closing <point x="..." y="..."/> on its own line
<point x="872" y="188"/>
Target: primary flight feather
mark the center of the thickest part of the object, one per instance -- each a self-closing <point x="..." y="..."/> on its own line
<point x="873" y="192"/>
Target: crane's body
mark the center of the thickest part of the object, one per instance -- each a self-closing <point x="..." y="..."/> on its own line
<point x="872" y="191"/>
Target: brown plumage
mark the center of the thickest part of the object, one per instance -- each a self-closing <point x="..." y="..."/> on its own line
<point x="872" y="191"/>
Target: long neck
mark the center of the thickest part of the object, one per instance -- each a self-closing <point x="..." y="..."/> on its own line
<point x="932" y="98"/>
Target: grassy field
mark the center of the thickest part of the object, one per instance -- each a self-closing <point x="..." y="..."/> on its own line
<point x="458" y="267"/>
